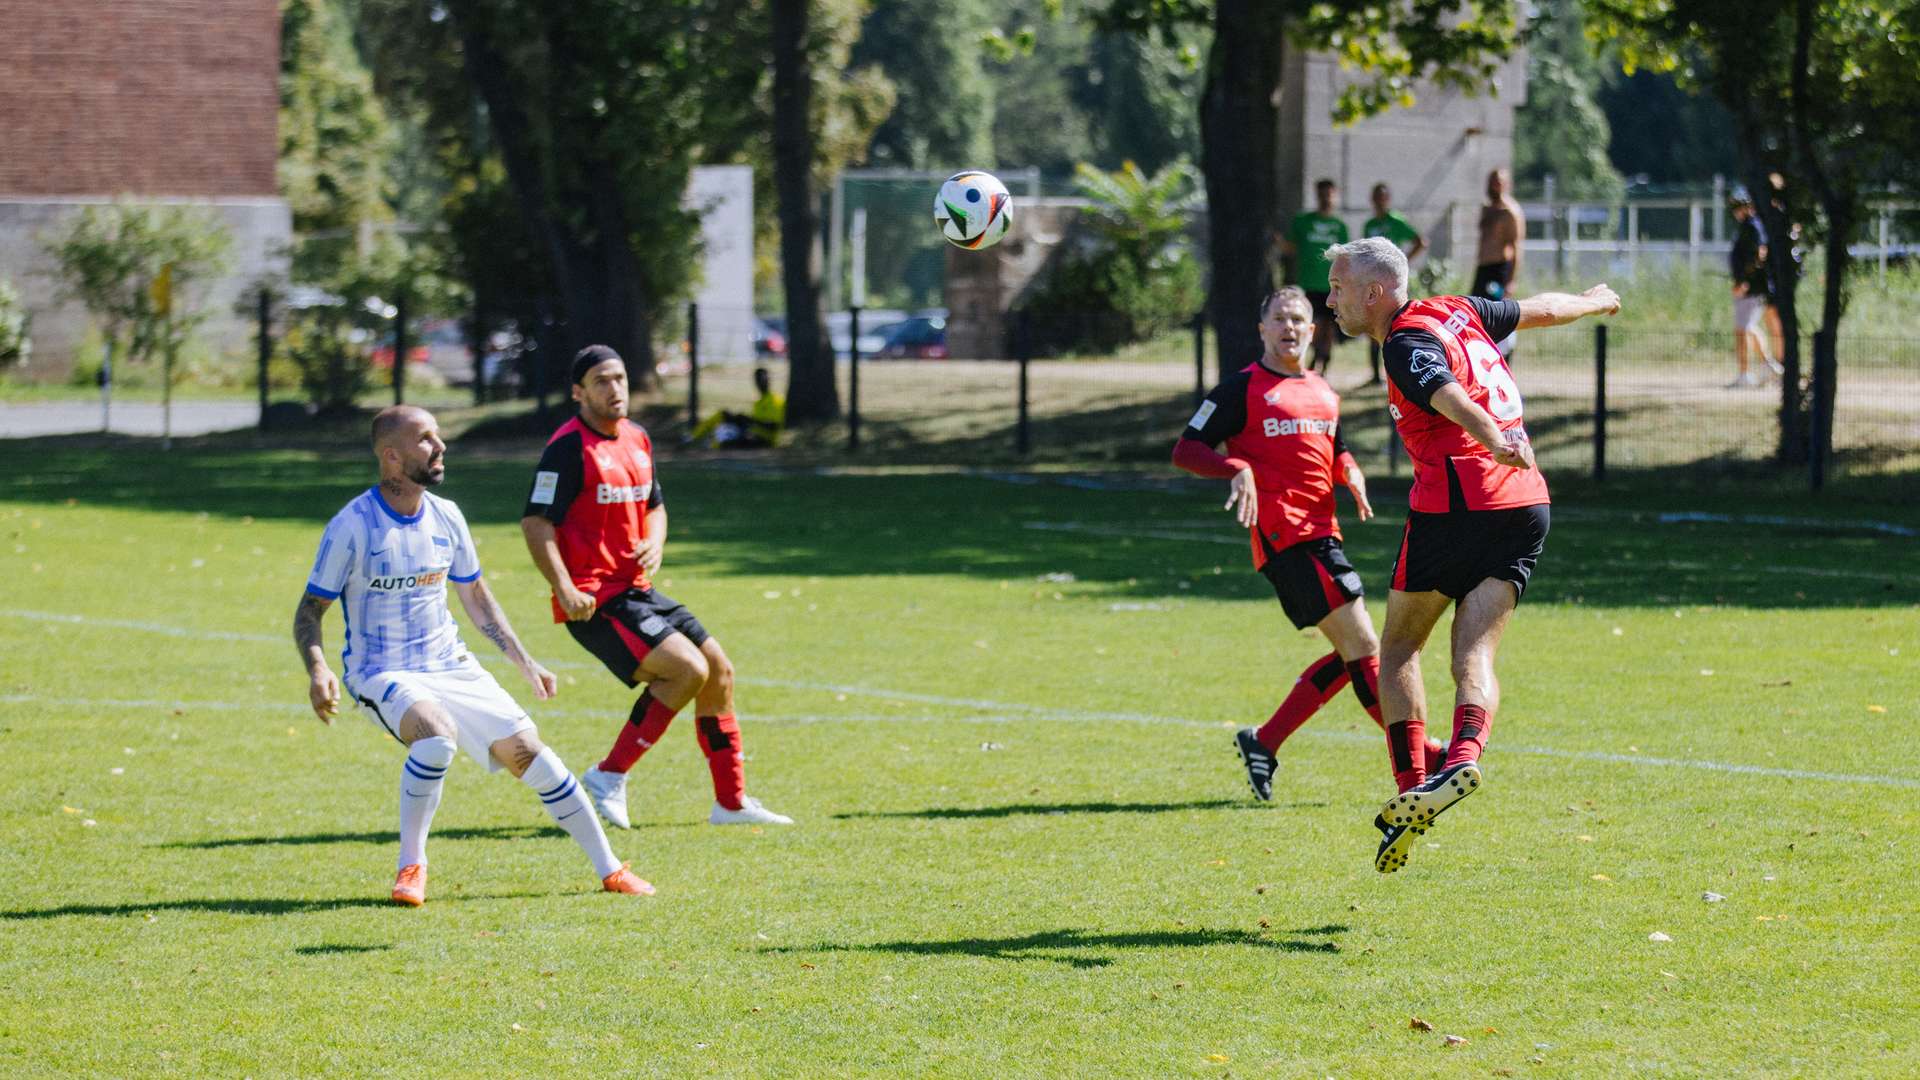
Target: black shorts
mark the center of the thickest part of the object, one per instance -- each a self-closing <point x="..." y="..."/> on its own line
<point x="1488" y="275"/>
<point x="1313" y="579"/>
<point x="1451" y="553"/>
<point x="632" y="624"/>
<point x="1322" y="311"/>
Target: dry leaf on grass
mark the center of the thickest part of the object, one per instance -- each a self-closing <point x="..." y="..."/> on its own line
<point x="1418" y="1024"/>
<point x="1456" y="1040"/>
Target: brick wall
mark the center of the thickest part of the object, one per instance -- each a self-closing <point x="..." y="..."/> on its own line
<point x="142" y="97"/>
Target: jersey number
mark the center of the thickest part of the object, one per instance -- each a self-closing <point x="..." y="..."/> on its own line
<point x="1490" y="370"/>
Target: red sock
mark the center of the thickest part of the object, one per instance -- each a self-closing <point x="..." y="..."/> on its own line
<point x="1470" y="726"/>
<point x="1365" y="673"/>
<point x="1315" y="687"/>
<point x="1408" y="770"/>
<point x="720" y="741"/>
<point x="1436" y="756"/>
<point x="643" y="728"/>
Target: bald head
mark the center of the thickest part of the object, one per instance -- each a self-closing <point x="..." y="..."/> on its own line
<point x="397" y="421"/>
<point x="406" y="441"/>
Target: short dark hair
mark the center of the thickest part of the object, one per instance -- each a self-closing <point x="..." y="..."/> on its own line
<point x="591" y="357"/>
<point x="389" y="420"/>
<point x="1324" y="182"/>
<point x="1289" y="293"/>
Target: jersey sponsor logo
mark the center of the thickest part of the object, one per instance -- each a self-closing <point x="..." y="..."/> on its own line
<point x="1273" y="426"/>
<point x="1201" y="415"/>
<point x="396" y="582"/>
<point x="1426" y="366"/>
<point x="545" y="485"/>
<point x="608" y="494"/>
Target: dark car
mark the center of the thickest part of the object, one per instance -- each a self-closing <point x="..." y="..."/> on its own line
<point x="920" y="337"/>
<point x="769" y="336"/>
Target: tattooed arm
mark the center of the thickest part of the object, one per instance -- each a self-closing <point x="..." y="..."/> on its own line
<point x="491" y="621"/>
<point x="323" y="689"/>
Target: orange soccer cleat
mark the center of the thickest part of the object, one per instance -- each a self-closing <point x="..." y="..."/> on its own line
<point x="626" y="881"/>
<point x="410" y="885"/>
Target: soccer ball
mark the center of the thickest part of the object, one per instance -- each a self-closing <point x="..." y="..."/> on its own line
<point x="973" y="209"/>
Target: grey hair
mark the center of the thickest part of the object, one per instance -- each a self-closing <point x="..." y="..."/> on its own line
<point x="1372" y="259"/>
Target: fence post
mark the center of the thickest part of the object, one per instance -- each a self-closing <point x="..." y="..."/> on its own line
<point x="1199" y="357"/>
<point x="693" y="365"/>
<point x="1600" y="403"/>
<point x="1023" y="353"/>
<point x="542" y="358"/>
<point x="400" y="348"/>
<point x="853" y="379"/>
<point x="1822" y="419"/>
<point x="106" y="387"/>
<point x="477" y="344"/>
<point x="1393" y="448"/>
<point x="264" y="343"/>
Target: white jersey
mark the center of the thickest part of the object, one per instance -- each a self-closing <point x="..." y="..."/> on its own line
<point x="390" y="573"/>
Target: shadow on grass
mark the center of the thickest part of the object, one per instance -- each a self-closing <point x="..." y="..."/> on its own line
<point x="1071" y="947"/>
<point x="495" y="832"/>
<point x="1022" y="809"/>
<point x="339" y="950"/>
<point x="241" y="906"/>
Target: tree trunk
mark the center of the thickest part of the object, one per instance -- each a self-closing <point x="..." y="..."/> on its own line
<point x="596" y="277"/>
<point x="1239" y="135"/>
<point x="1791" y="448"/>
<point x="811" y="393"/>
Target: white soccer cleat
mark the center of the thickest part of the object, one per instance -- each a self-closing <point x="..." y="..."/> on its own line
<point x="750" y="813"/>
<point x="609" y="794"/>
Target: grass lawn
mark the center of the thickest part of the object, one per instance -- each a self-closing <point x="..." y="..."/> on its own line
<point x="1001" y="710"/>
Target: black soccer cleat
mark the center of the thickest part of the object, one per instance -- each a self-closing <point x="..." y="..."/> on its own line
<point x="1396" y="842"/>
<point x="1259" y="761"/>
<point x="1418" y="806"/>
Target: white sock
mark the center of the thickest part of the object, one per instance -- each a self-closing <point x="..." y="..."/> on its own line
<point x="422" y="776"/>
<point x="561" y="793"/>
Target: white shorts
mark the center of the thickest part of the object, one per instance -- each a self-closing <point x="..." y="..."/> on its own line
<point x="482" y="712"/>
<point x="1746" y="313"/>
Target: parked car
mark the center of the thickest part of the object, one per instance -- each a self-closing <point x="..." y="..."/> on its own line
<point x="769" y="335"/>
<point x="918" y="337"/>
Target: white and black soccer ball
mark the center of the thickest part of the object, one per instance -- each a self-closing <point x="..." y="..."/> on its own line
<point x="973" y="209"/>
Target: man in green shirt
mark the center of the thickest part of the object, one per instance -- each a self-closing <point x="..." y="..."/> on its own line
<point x="1305" y="246"/>
<point x="1391" y="224"/>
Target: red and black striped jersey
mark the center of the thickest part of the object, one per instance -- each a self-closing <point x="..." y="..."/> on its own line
<point x="597" y="491"/>
<point x="1451" y="339"/>
<point x="1287" y="427"/>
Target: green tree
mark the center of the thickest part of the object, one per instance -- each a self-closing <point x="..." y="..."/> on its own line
<point x="335" y="140"/>
<point x="16" y="325"/>
<point x="943" y="118"/>
<point x="1664" y="131"/>
<point x="110" y="257"/>
<point x="1825" y="93"/>
<point x="1455" y="43"/>
<point x="1561" y="131"/>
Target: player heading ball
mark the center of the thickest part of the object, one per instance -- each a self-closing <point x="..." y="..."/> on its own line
<point x="1477" y="516"/>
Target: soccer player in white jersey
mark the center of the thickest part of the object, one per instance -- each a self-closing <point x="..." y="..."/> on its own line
<point x="387" y="556"/>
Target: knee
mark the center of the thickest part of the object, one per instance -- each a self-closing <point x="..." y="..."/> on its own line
<point x="422" y="722"/>
<point x="517" y="752"/>
<point x="1396" y="653"/>
<point x="720" y="675"/>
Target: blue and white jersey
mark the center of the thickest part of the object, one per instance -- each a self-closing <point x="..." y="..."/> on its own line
<point x="390" y="573"/>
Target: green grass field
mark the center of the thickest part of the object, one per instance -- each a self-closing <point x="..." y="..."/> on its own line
<point x="1025" y="846"/>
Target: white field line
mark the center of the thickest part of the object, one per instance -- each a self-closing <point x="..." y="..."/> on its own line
<point x="1176" y="533"/>
<point x="1001" y="712"/>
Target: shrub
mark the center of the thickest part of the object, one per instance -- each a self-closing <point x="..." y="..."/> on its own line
<point x="1134" y="276"/>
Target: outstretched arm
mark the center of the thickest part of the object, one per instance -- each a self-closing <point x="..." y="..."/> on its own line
<point x="491" y="621"/>
<point x="323" y="688"/>
<point x="1558" y="309"/>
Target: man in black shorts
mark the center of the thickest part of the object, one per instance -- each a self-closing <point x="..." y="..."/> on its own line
<point x="596" y="525"/>
<point x="1281" y="425"/>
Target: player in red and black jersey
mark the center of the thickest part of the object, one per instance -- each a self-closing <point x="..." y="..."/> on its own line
<point x="596" y="525"/>
<point x="1280" y="424"/>
<point x="1477" y="515"/>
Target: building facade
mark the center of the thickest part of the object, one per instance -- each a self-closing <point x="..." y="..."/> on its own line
<point x="174" y="102"/>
